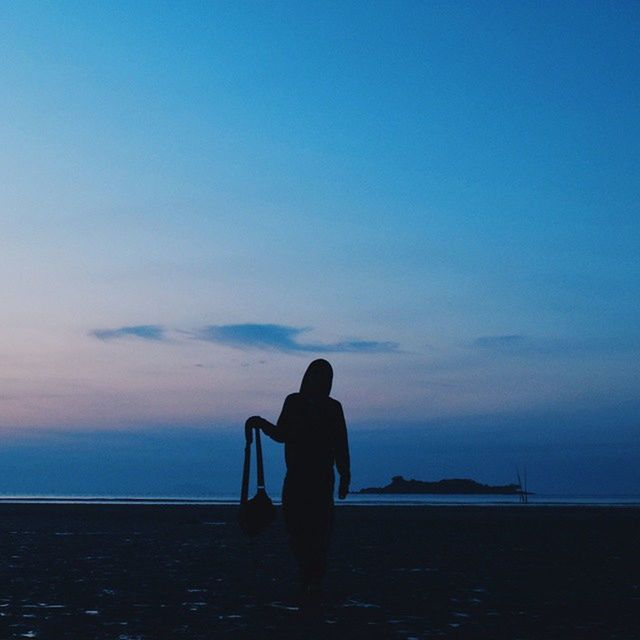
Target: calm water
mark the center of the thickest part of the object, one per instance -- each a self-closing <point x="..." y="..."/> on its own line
<point x="355" y="499"/>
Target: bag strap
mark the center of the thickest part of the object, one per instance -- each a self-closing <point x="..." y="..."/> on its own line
<point x="259" y="461"/>
<point x="244" y="492"/>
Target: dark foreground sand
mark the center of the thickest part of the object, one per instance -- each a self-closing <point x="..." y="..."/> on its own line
<point x="134" y="572"/>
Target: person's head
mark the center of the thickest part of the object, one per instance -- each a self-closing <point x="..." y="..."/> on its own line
<point x="317" y="379"/>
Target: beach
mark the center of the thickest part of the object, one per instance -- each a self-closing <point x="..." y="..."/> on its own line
<point x="126" y="572"/>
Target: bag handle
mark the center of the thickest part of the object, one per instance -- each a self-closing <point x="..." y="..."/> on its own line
<point x="244" y="492"/>
<point x="259" y="461"/>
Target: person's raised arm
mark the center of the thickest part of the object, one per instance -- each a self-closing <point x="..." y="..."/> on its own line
<point x="258" y="422"/>
<point x="278" y="431"/>
<point x="343" y="463"/>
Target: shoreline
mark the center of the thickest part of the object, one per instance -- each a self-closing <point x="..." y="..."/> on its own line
<point x="454" y="501"/>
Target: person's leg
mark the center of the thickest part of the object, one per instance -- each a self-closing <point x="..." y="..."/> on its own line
<point x="319" y="541"/>
<point x="308" y="515"/>
<point x="296" y="520"/>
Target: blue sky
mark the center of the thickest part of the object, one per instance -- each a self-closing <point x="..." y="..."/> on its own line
<point x="441" y="198"/>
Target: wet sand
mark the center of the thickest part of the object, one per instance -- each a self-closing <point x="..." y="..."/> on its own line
<point x="144" y="572"/>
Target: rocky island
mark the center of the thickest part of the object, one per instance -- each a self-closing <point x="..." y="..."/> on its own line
<point x="451" y="486"/>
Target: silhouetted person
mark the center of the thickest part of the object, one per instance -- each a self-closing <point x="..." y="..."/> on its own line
<point x="313" y="430"/>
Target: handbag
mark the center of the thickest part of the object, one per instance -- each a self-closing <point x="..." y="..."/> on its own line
<point x="257" y="513"/>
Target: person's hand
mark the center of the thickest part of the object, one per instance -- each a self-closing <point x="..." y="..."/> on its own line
<point x="343" y="488"/>
<point x="252" y="423"/>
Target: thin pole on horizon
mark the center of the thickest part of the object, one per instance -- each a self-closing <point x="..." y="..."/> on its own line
<point x="520" y="489"/>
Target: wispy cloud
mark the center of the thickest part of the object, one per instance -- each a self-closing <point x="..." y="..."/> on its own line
<point x="521" y="345"/>
<point x="144" y="331"/>
<point x="277" y="337"/>
<point x="268" y="337"/>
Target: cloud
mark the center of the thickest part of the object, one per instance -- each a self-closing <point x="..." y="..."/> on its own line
<point x="145" y="331"/>
<point x="268" y="337"/>
<point x="277" y="337"/>
<point x="261" y="336"/>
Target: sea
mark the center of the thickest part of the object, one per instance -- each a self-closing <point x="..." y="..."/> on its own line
<point x="541" y="500"/>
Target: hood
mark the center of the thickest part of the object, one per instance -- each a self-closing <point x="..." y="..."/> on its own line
<point x="316" y="382"/>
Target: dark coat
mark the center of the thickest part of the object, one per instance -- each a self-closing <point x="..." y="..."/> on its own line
<point x="314" y="433"/>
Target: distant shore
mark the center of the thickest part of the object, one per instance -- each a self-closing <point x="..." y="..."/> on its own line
<point x="147" y="571"/>
<point x="449" y="486"/>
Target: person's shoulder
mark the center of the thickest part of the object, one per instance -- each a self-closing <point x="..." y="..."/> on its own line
<point x="335" y="404"/>
<point x="293" y="398"/>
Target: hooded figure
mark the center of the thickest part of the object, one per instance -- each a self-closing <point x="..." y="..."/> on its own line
<point x="313" y="430"/>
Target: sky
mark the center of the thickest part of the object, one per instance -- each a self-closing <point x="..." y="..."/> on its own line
<point x="199" y="198"/>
